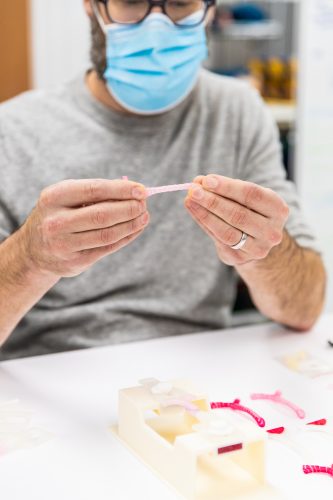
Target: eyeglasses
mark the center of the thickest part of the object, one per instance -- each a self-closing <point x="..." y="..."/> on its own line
<point x="183" y="13"/>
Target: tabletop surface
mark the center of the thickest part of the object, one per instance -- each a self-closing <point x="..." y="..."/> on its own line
<point x="73" y="397"/>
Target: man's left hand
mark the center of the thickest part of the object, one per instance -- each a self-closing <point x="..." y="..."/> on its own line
<point x="226" y="208"/>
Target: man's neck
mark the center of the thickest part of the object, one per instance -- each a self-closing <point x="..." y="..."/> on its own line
<point x="98" y="89"/>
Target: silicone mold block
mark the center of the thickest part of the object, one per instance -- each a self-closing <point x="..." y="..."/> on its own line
<point x="203" y="454"/>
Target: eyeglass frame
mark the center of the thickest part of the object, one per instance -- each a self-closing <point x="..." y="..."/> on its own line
<point x="156" y="3"/>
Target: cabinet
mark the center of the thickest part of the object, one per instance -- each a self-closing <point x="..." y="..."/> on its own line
<point x="14" y="48"/>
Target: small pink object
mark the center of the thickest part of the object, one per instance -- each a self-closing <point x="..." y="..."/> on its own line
<point x="277" y="398"/>
<point x="315" y="469"/>
<point x="168" y="189"/>
<point x="322" y="421"/>
<point x="124" y="178"/>
<point x="238" y="407"/>
<point x="277" y="430"/>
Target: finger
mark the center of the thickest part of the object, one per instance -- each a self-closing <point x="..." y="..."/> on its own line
<point x="257" y="198"/>
<point x="221" y="232"/>
<point x="106" y="236"/>
<point x="74" y="193"/>
<point x="98" y="216"/>
<point x="96" y="254"/>
<point x="230" y="257"/>
<point x="232" y="213"/>
<point x="198" y="179"/>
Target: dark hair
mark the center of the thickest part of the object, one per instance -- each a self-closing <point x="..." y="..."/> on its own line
<point x="98" y="48"/>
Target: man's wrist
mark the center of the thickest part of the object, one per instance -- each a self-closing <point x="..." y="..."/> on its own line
<point x="287" y="286"/>
<point x="23" y="284"/>
<point x="23" y="266"/>
<point x="287" y="245"/>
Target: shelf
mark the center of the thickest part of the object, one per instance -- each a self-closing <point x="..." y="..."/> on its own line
<point x="263" y="30"/>
<point x="233" y="2"/>
<point x="284" y="112"/>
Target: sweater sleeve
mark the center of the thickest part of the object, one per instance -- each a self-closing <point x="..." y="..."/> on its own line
<point x="260" y="161"/>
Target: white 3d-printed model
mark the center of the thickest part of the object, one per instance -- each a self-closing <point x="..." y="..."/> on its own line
<point x="204" y="454"/>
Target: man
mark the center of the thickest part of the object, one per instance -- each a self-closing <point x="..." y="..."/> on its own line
<point x="86" y="260"/>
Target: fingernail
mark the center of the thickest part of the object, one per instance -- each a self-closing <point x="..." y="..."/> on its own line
<point x="210" y="182"/>
<point x="197" y="193"/>
<point x="139" y="193"/>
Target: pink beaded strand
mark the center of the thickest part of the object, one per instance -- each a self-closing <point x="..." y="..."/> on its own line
<point x="315" y="469"/>
<point x="238" y="407"/>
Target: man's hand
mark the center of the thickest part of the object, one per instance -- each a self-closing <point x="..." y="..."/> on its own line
<point x="225" y="208"/>
<point x="286" y="281"/>
<point x="77" y="222"/>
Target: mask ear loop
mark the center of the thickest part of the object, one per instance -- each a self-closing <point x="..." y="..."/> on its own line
<point x="98" y="16"/>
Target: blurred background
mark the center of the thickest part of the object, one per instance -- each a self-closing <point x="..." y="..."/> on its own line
<point x="283" y="48"/>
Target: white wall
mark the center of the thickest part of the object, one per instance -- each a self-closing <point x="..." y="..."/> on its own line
<point x="60" y="40"/>
<point x="314" y="172"/>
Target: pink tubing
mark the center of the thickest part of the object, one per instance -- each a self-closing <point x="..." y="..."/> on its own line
<point x="277" y="398"/>
<point x="168" y="189"/>
<point x="165" y="189"/>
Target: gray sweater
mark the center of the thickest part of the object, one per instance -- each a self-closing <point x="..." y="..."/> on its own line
<point x="170" y="280"/>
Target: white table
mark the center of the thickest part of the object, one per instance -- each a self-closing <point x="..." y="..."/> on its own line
<point x="74" y="396"/>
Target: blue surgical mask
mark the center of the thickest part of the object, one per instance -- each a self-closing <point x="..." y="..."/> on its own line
<point x="154" y="65"/>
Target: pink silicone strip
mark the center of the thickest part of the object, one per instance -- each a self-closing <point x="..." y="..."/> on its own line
<point x="277" y="398"/>
<point x="165" y="189"/>
<point x="168" y="189"/>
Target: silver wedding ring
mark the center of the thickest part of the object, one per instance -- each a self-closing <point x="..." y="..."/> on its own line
<point x="241" y="242"/>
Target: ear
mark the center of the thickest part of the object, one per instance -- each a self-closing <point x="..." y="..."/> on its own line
<point x="210" y="14"/>
<point x="90" y="10"/>
<point x="88" y="7"/>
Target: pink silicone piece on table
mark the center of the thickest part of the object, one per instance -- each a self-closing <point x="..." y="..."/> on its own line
<point x="315" y="469"/>
<point x="277" y="430"/>
<point x="322" y="421"/>
<point x="277" y="398"/>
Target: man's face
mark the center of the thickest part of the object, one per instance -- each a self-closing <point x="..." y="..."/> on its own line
<point x="98" y="41"/>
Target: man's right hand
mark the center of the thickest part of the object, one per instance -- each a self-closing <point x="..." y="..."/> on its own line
<point x="78" y="222"/>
